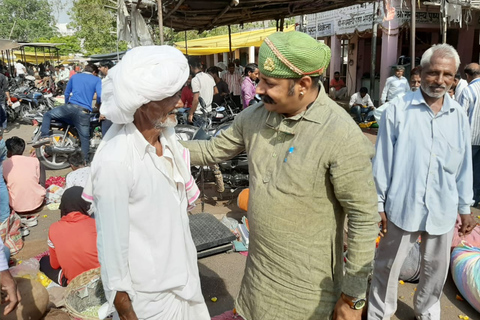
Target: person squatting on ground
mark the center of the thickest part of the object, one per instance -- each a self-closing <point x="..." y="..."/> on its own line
<point x="80" y="173"/>
<point x="338" y="89"/>
<point x="77" y="108"/>
<point x="423" y="174"/>
<point x="72" y="241"/>
<point x="141" y="187"/>
<point x="361" y="104"/>
<point x="25" y="178"/>
<point x="309" y="167"/>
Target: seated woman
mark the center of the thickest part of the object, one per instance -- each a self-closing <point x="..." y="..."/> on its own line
<point x="72" y="241"/>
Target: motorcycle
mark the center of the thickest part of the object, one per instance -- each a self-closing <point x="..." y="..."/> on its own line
<point x="28" y="105"/>
<point x="65" y="141"/>
<point x="231" y="174"/>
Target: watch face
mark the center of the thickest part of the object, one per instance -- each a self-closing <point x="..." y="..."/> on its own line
<point x="359" y="304"/>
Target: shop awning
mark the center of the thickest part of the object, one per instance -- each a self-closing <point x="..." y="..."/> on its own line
<point x="8" y="45"/>
<point x="219" y="44"/>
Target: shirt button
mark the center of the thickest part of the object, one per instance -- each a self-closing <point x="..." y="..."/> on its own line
<point x="266" y="179"/>
<point x="274" y="155"/>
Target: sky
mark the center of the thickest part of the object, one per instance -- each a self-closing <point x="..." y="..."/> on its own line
<point x="62" y="15"/>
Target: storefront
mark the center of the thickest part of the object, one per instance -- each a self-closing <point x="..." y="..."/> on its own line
<point x="348" y="32"/>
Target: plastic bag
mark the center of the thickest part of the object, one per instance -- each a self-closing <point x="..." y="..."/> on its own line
<point x="28" y="268"/>
<point x="54" y="194"/>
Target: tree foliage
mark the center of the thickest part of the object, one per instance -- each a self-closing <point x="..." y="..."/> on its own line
<point x="95" y="22"/>
<point x="71" y="44"/>
<point x="26" y="20"/>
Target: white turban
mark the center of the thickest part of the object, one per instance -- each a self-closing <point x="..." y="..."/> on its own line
<point x="149" y="73"/>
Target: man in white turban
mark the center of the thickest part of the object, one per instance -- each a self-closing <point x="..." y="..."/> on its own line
<point x="141" y="187"/>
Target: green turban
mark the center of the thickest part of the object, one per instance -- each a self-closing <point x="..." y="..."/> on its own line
<point x="292" y="55"/>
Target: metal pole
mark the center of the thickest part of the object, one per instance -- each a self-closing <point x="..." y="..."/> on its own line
<point x="230" y="43"/>
<point x="374" y="49"/>
<point x="36" y="58"/>
<point x="160" y="20"/>
<point x="186" y="43"/>
<point x="413" y="28"/>
<point x="444" y="22"/>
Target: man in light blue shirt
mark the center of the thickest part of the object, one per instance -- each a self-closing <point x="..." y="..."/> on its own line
<point x="469" y="99"/>
<point x="423" y="174"/>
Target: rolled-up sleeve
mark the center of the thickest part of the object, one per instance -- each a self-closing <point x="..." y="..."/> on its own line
<point x="111" y="188"/>
<point x="351" y="176"/>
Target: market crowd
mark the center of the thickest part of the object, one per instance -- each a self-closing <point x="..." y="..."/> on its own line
<point x="314" y="177"/>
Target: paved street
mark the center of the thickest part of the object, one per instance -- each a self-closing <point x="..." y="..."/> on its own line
<point x="221" y="274"/>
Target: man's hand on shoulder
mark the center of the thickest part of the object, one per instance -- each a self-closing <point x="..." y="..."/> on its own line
<point x="343" y="311"/>
<point x="468" y="223"/>
<point x="9" y="285"/>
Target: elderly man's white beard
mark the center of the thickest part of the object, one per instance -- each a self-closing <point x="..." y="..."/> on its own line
<point x="170" y="122"/>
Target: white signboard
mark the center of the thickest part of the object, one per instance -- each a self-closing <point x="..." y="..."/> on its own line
<point x="360" y="18"/>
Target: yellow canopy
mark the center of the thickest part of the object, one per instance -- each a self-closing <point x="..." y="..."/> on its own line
<point x="30" y="57"/>
<point x="219" y="44"/>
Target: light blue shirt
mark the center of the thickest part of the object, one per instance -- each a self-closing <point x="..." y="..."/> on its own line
<point x="423" y="164"/>
<point x="469" y="100"/>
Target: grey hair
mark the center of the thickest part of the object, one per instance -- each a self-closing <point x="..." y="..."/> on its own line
<point x="444" y="50"/>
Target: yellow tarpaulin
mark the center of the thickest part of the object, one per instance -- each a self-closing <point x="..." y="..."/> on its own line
<point x="30" y="57"/>
<point x="219" y="44"/>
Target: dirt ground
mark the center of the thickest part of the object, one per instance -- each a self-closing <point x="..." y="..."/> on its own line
<point x="221" y="274"/>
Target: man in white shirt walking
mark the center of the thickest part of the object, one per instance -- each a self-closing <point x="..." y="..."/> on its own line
<point x="141" y="187"/>
<point x="360" y="103"/>
<point x="203" y="86"/>
<point x="396" y="85"/>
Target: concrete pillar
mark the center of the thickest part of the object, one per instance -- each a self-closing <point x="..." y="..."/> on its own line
<point x="465" y="46"/>
<point x="352" y="62"/>
<point x="335" y="61"/>
<point x="251" y="54"/>
<point x="389" y="51"/>
<point x="215" y="59"/>
<point x="225" y="57"/>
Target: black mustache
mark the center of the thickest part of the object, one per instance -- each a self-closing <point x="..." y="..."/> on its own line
<point x="268" y="99"/>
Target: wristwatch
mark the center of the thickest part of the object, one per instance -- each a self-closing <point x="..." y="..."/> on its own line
<point x="356" y="304"/>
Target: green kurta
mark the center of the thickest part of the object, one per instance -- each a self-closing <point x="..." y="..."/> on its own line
<point x="298" y="202"/>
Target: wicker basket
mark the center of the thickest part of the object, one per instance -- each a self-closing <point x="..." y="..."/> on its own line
<point x="84" y="291"/>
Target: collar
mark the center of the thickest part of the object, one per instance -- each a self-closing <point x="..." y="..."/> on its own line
<point x="141" y="144"/>
<point x="314" y="113"/>
<point x="418" y="99"/>
<point x="473" y="81"/>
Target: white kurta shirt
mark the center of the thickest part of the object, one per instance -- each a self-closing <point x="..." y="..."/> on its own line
<point x="144" y="242"/>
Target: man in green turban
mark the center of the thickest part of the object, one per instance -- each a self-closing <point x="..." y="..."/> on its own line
<point x="309" y="167"/>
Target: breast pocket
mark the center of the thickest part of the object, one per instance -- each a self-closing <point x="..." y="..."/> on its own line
<point x="453" y="159"/>
<point x="297" y="176"/>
